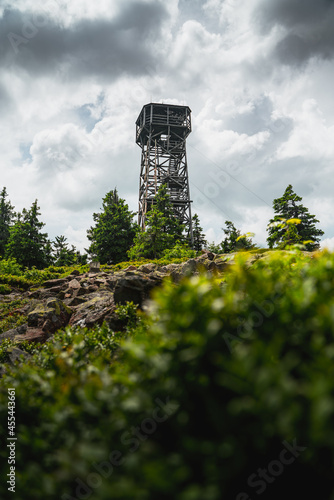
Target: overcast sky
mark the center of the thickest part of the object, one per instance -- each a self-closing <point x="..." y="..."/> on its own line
<point x="257" y="75"/>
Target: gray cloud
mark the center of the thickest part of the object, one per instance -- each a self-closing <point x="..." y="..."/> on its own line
<point x="104" y="48"/>
<point x="309" y="28"/>
<point x="5" y="100"/>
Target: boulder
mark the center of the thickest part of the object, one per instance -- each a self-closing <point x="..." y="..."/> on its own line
<point x="16" y="354"/>
<point x="51" y="316"/>
<point x="135" y="288"/>
<point x="92" y="311"/>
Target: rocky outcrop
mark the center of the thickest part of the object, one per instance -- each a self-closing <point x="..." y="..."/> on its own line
<point x="92" y="298"/>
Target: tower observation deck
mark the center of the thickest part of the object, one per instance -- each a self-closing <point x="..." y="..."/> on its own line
<point x="161" y="132"/>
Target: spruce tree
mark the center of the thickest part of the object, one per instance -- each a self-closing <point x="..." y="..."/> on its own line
<point x="26" y="243"/>
<point x="234" y="240"/>
<point x="163" y="229"/>
<point x="7" y="215"/>
<point x="62" y="254"/>
<point x="198" y="235"/>
<point x="114" y="230"/>
<point x="292" y="223"/>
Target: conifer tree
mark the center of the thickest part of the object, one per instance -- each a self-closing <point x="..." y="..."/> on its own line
<point x="234" y="240"/>
<point x="7" y="215"/>
<point x="114" y="230"/>
<point x="26" y="243"/>
<point x="198" y="235"/>
<point x="62" y="254"/>
<point x="163" y="229"/>
<point x="292" y="223"/>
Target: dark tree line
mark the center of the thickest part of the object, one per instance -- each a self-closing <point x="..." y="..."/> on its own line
<point x="115" y="237"/>
<point x="22" y="238"/>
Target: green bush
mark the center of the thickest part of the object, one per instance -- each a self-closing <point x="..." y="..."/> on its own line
<point x="16" y="281"/>
<point x="10" y="266"/>
<point x="205" y="401"/>
<point x="180" y="250"/>
<point x="5" y="289"/>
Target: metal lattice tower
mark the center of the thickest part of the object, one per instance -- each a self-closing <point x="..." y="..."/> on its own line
<point x="161" y="132"/>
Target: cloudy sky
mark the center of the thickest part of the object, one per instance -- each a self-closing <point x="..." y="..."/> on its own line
<point x="257" y="75"/>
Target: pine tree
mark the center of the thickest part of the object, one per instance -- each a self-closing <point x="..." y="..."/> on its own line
<point x="7" y="215"/>
<point x="198" y="235"/>
<point x="26" y="243"/>
<point x="292" y="223"/>
<point x="114" y="231"/>
<point x="234" y="240"/>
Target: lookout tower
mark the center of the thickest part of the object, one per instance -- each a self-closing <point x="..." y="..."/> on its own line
<point x="161" y="132"/>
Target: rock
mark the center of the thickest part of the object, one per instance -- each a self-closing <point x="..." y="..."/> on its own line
<point x="94" y="267"/>
<point x="212" y="267"/>
<point x="16" y="354"/>
<point x="36" y="335"/>
<point x="46" y="293"/>
<point x="74" y="284"/>
<point x="135" y="288"/>
<point x="147" y="268"/>
<point x="50" y="316"/>
<point x="74" y="301"/>
<point x="131" y="268"/>
<point x="115" y="323"/>
<point x="53" y="283"/>
<point x="93" y="311"/>
<point x="189" y="267"/>
<point x="75" y="272"/>
<point x="176" y="275"/>
<point x="111" y="283"/>
<point x="10" y="334"/>
<point x="171" y="267"/>
<point x="221" y="264"/>
<point x="208" y="255"/>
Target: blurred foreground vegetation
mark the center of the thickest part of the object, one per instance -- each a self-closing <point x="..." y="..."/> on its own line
<point x="199" y="396"/>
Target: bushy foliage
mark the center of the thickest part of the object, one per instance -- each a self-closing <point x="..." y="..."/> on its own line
<point x="10" y="266"/>
<point x="178" y="251"/>
<point x="11" y="273"/>
<point x="209" y="390"/>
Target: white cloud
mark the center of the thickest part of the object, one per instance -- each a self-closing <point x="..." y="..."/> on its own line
<point x="70" y="99"/>
<point x="312" y="138"/>
<point x="328" y="243"/>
